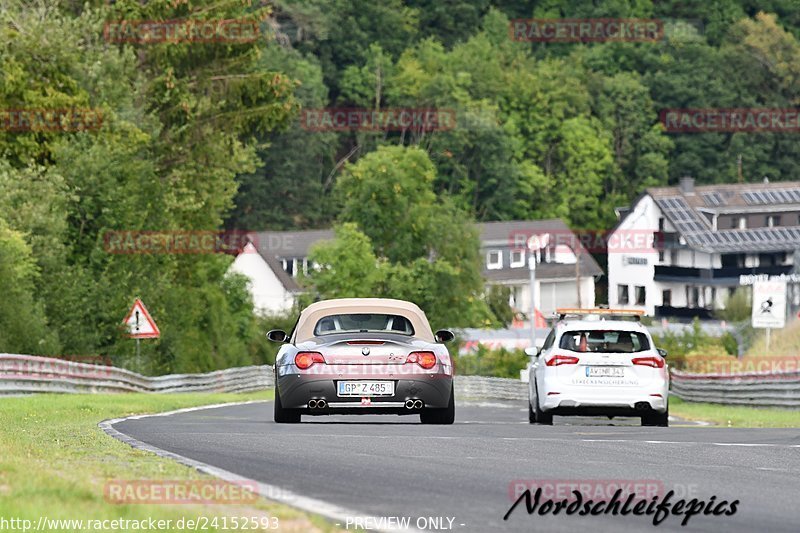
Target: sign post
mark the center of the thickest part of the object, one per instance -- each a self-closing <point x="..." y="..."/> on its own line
<point x="769" y="306"/>
<point x="140" y="325"/>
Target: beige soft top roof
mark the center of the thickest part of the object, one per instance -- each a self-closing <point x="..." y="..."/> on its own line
<point x="311" y="314"/>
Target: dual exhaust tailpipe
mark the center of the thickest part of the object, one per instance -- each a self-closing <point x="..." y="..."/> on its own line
<point x="414" y="404"/>
<point x="322" y="404"/>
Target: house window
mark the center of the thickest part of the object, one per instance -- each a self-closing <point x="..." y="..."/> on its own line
<point x="661" y="256"/>
<point x="773" y="220"/>
<point x="666" y="298"/>
<point x="742" y="223"/>
<point x="673" y="259"/>
<point x="494" y="260"/>
<point x="766" y="260"/>
<point x="288" y="266"/>
<point x="517" y="258"/>
<point x="661" y="224"/>
<point x="622" y="294"/>
<point x="640" y="295"/>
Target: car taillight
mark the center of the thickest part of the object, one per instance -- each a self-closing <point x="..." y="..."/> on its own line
<point x="304" y="360"/>
<point x="655" y="362"/>
<point x="557" y="360"/>
<point x="426" y="360"/>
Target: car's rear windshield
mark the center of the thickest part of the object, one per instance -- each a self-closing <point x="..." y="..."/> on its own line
<point x="609" y="341"/>
<point x="363" y="323"/>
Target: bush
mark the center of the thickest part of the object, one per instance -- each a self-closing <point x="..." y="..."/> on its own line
<point x="737" y="306"/>
<point x="707" y="359"/>
<point x="500" y="363"/>
<point x="730" y="343"/>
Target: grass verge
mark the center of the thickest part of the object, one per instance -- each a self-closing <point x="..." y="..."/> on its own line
<point x="55" y="462"/>
<point x="734" y="416"/>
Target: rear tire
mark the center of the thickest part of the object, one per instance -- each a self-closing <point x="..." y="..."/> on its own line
<point x="531" y="414"/>
<point x="539" y="416"/>
<point x="656" y="419"/>
<point x="284" y="416"/>
<point x="444" y="416"/>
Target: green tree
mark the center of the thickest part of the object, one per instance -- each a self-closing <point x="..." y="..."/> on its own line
<point x="402" y="241"/>
<point x="23" y="325"/>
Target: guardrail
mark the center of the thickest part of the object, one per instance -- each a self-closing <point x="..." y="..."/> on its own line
<point x="21" y="374"/>
<point x="757" y="389"/>
<point x="480" y="387"/>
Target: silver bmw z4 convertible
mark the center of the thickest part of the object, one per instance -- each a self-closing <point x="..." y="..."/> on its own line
<point x="363" y="356"/>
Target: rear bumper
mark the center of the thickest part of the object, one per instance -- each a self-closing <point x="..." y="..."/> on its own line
<point x="632" y="401"/>
<point x="297" y="390"/>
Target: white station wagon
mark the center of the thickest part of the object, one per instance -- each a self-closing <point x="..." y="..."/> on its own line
<point x="598" y="362"/>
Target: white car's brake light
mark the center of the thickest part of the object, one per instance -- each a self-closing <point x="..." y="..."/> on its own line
<point x="655" y="362"/>
<point x="558" y="360"/>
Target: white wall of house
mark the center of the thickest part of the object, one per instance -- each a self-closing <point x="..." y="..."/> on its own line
<point x="553" y="293"/>
<point x="269" y="295"/>
<point x="634" y="266"/>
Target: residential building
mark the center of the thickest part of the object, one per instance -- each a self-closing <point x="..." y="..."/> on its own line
<point x="709" y="240"/>
<point x="273" y="260"/>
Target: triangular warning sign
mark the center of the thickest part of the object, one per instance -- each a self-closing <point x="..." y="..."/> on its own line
<point x="140" y="324"/>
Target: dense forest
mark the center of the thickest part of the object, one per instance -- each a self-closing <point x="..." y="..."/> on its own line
<point x="203" y="134"/>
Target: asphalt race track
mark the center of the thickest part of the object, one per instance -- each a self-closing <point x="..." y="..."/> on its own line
<point x="390" y="466"/>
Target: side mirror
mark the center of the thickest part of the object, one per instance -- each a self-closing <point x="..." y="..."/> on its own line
<point x="532" y="351"/>
<point x="444" y="335"/>
<point x="662" y="352"/>
<point x="277" y="335"/>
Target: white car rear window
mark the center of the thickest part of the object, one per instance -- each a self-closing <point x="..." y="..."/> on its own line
<point x="604" y="341"/>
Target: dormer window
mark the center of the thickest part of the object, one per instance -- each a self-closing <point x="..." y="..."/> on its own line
<point x="773" y="220"/>
<point x="741" y="223"/>
<point x="517" y="258"/>
<point x="494" y="260"/>
<point x="289" y="266"/>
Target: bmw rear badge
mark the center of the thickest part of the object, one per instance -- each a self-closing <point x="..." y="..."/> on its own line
<point x="365" y="351"/>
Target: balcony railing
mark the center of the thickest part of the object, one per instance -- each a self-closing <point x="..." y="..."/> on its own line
<point x="708" y="274"/>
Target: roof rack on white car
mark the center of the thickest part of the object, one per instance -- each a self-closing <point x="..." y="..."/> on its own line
<point x="599" y="313"/>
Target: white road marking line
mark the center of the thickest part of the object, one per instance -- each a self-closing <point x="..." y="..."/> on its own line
<point x="655" y="442"/>
<point x="755" y="445"/>
<point x="271" y="492"/>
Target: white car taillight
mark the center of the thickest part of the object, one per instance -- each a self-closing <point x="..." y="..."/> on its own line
<point x="558" y="360"/>
<point x="655" y="362"/>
